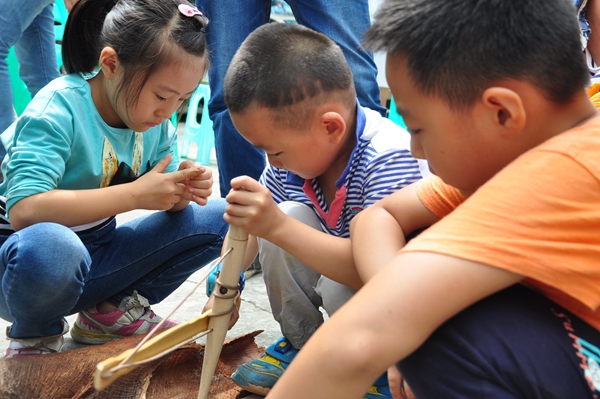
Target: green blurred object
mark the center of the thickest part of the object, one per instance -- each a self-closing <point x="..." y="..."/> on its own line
<point x="60" y="21"/>
<point x="175" y="122"/>
<point x="21" y="95"/>
<point x="199" y="132"/>
<point x="394" y="116"/>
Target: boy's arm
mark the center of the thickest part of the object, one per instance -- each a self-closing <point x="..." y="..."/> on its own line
<point x="388" y="319"/>
<point x="380" y="231"/>
<point x="252" y="208"/>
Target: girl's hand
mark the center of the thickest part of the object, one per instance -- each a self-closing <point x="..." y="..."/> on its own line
<point x="157" y="190"/>
<point x="252" y="207"/>
<point x="199" y="187"/>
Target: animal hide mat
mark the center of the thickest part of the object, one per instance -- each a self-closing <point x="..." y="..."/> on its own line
<point x="69" y="375"/>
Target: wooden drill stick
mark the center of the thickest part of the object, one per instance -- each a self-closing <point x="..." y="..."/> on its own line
<point x="225" y="291"/>
<point x="110" y="369"/>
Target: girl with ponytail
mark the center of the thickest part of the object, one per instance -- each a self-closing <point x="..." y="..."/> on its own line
<point x="92" y="144"/>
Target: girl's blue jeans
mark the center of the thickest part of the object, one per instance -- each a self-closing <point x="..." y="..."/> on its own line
<point x="48" y="272"/>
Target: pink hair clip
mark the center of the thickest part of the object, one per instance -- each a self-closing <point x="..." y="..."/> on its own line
<point x="189" y="11"/>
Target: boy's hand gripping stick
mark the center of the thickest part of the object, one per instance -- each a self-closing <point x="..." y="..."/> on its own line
<point x="215" y="321"/>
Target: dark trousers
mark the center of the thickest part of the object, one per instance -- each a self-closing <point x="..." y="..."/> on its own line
<point x="514" y="344"/>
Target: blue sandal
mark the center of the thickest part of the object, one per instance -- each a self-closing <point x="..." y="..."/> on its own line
<point x="259" y="375"/>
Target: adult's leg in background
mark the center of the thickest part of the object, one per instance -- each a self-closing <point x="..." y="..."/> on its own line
<point x="36" y="51"/>
<point x="28" y="25"/>
<point x="231" y="21"/>
<point x="346" y="23"/>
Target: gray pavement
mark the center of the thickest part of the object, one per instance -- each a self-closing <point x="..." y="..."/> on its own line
<point x="255" y="313"/>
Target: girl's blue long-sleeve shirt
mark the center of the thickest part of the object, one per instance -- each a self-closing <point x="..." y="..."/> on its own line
<point x="61" y="142"/>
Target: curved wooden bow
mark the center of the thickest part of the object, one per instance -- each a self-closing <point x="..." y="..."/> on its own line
<point x="215" y="321"/>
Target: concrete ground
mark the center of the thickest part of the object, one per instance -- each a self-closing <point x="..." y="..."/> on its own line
<point x="255" y="313"/>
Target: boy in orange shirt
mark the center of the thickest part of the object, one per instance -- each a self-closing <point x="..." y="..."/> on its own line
<point x="500" y="298"/>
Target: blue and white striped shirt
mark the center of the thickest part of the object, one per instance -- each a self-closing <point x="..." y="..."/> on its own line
<point x="380" y="164"/>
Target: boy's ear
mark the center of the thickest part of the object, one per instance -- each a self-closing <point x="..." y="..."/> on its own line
<point x="109" y="62"/>
<point x="506" y="109"/>
<point x="334" y="124"/>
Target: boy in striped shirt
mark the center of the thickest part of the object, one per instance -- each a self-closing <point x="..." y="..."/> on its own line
<point x="290" y="92"/>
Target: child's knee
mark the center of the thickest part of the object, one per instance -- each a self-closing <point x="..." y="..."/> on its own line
<point x="47" y="248"/>
<point x="301" y="212"/>
<point x="334" y="294"/>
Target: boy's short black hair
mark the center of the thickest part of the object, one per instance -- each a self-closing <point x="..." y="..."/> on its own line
<point x="279" y="65"/>
<point x="455" y="49"/>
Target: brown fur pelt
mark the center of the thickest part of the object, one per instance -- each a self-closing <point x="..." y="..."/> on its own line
<point x="175" y="376"/>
